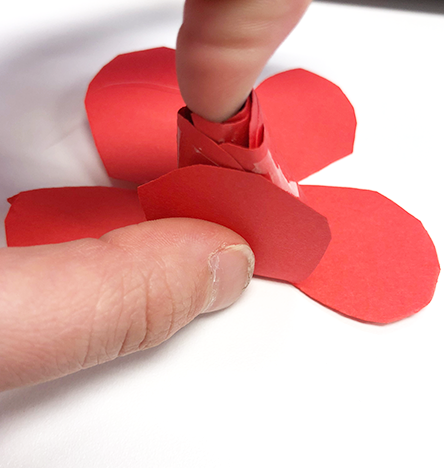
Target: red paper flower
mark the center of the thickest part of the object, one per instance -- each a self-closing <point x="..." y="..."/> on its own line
<point x="352" y="250"/>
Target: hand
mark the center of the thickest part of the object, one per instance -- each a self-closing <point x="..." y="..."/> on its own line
<point x="70" y="306"/>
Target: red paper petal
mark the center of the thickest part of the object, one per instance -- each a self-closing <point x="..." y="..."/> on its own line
<point x="310" y="121"/>
<point x="381" y="265"/>
<point x="156" y="67"/>
<point x="49" y="216"/>
<point x="287" y="237"/>
<point x="132" y="109"/>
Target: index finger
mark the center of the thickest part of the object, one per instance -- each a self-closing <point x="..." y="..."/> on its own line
<point x="223" y="46"/>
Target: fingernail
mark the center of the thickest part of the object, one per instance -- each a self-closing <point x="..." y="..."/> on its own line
<point x="232" y="268"/>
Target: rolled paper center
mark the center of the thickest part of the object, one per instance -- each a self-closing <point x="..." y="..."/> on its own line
<point x="241" y="142"/>
<point x="235" y="130"/>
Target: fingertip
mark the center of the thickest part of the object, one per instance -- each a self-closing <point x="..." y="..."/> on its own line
<point x="219" y="262"/>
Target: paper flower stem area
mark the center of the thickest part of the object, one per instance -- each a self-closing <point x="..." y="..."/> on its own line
<point x="351" y="250"/>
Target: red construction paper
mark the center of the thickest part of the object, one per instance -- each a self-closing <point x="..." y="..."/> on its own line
<point x="48" y="216"/>
<point x="381" y="265"/>
<point x="235" y="130"/>
<point x="310" y="120"/>
<point x="242" y="142"/>
<point x="287" y="237"/>
<point x="132" y="108"/>
<point x="133" y="101"/>
<point x="194" y="147"/>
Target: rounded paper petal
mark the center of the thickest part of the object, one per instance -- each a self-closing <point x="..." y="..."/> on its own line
<point x="287" y="237"/>
<point x="381" y="265"/>
<point x="50" y="216"/>
<point x="132" y="109"/>
<point x="156" y="67"/>
<point x="310" y="120"/>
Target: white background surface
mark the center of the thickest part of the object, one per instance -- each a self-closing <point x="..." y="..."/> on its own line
<point x="276" y="380"/>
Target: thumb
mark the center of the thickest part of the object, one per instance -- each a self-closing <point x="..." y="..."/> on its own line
<point x="70" y="306"/>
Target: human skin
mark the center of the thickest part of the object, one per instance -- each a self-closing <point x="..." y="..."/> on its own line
<point x="222" y="47"/>
<point x="70" y="306"/>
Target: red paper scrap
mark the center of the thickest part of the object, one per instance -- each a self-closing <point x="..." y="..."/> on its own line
<point x="50" y="216"/>
<point x="287" y="237"/>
